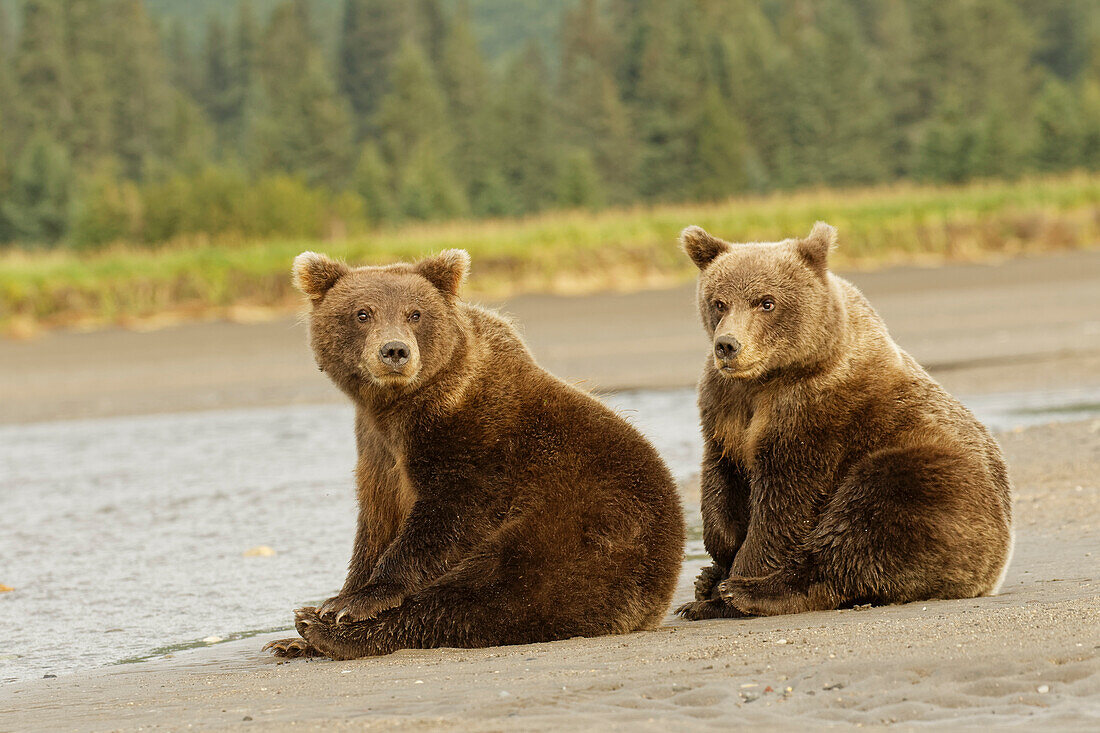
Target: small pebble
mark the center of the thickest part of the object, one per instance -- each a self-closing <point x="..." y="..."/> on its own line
<point x="49" y="676"/>
<point x="6" y="588"/>
<point x="418" y="682"/>
<point x="247" y="717"/>
<point x="212" y="640"/>
<point x="781" y="641"/>
<point x="505" y="693"/>
<point x="1043" y="689"/>
<point x="259" y="551"/>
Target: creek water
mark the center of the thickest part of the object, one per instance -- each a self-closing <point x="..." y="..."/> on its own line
<point x="126" y="538"/>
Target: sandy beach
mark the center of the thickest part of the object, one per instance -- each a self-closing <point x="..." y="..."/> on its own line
<point x="1029" y="656"/>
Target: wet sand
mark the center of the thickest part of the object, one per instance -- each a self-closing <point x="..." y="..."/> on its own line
<point x="1026" y="324"/>
<point x="1029" y="656"/>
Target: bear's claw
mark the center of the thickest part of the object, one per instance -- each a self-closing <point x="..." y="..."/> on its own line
<point x="291" y="648"/>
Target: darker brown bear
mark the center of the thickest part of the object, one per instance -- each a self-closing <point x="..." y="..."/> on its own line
<point x="497" y="504"/>
<point x="835" y="470"/>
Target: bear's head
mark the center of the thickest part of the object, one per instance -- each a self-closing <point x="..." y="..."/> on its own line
<point x="386" y="328"/>
<point x="766" y="305"/>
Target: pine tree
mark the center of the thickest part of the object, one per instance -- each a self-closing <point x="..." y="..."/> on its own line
<point x="246" y="85"/>
<point x="219" y="84"/>
<point x="578" y="182"/>
<point x="667" y="76"/>
<point x="1090" y="117"/>
<point x="140" y="89"/>
<point x="894" y="54"/>
<point x="184" y="70"/>
<point x="594" y="117"/>
<point x="720" y="159"/>
<point x="753" y="71"/>
<point x="525" y="150"/>
<point x="974" y="72"/>
<point x="371" y="34"/>
<point x="41" y="72"/>
<point x="374" y="184"/>
<point x="38" y="206"/>
<point x="430" y="28"/>
<point x="88" y="51"/>
<point x="304" y="127"/>
<point x="839" y="121"/>
<point x="1060" y="141"/>
<point x="417" y="140"/>
<point x="7" y="95"/>
<point x="427" y="188"/>
<point x="465" y="82"/>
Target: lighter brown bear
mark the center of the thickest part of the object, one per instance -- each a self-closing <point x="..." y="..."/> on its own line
<point x="835" y="470"/>
<point x="497" y="504"/>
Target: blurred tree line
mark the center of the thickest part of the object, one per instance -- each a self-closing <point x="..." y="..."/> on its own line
<point x="116" y="124"/>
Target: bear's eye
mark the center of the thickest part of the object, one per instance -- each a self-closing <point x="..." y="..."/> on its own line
<point x="363" y="316"/>
<point x="719" y="306"/>
<point x="414" y="316"/>
<point x="767" y="304"/>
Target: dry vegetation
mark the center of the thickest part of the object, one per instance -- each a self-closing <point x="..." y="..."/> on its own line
<point x="571" y="251"/>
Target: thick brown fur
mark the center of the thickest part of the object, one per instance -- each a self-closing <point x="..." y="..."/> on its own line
<point x="497" y="504"/>
<point x="835" y="470"/>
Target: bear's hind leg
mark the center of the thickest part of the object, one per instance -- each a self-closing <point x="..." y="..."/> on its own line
<point x="473" y="605"/>
<point x="907" y="524"/>
<point x="910" y="524"/>
<point x="779" y="593"/>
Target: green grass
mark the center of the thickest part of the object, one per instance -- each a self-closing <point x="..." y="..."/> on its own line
<point x="571" y="251"/>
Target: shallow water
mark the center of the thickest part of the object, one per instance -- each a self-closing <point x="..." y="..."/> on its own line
<point x="124" y="538"/>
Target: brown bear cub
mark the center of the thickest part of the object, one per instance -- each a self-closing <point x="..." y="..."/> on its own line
<point x="497" y="504"/>
<point x="835" y="470"/>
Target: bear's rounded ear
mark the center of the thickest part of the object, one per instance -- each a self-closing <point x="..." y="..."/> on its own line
<point x="315" y="274"/>
<point x="701" y="247"/>
<point x="446" y="270"/>
<point x="814" y="249"/>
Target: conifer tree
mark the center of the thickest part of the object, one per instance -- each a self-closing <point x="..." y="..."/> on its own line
<point x="183" y="67"/>
<point x="465" y="81"/>
<point x="41" y="71"/>
<point x="417" y="140"/>
<point x="37" y="208"/>
<point x="593" y="115"/>
<point x="719" y="156"/>
<point x="88" y="58"/>
<point x="668" y="74"/>
<point x="1061" y="128"/>
<point x="374" y="184"/>
<point x="141" y="93"/>
<point x="371" y="34"/>
<point x="839" y="120"/>
<point x="578" y="181"/>
<point x="525" y="148"/>
<point x="219" y="83"/>
<point x="304" y="126"/>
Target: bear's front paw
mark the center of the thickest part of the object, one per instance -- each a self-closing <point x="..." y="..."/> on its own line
<point x="742" y="591"/>
<point x="359" y="606"/>
<point x="291" y="648"/>
<point x="763" y="596"/>
<point x="709" y="577"/>
<point x="710" y="608"/>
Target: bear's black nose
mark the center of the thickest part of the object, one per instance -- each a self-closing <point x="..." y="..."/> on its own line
<point x="395" y="353"/>
<point x="726" y="347"/>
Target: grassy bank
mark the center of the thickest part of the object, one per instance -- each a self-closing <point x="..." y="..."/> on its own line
<point x="556" y="252"/>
